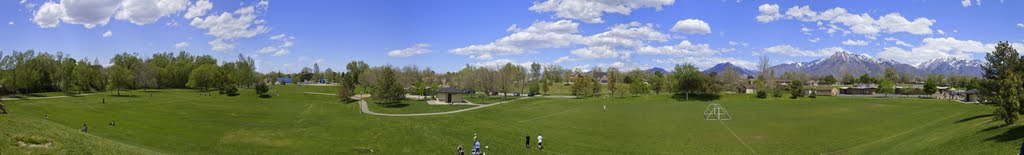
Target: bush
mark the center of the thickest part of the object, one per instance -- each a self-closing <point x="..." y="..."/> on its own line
<point x="231" y="91"/>
<point x="262" y="89"/>
<point x="813" y="95"/>
<point x="777" y="93"/>
<point x="762" y="94"/>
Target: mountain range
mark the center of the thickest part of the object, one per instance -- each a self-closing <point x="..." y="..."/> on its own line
<point x="722" y="66"/>
<point x="846" y="62"/>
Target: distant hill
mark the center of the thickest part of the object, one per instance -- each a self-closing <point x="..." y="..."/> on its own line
<point x="722" y="66"/>
<point x="841" y="62"/>
<point x="952" y="65"/>
<point x="656" y="69"/>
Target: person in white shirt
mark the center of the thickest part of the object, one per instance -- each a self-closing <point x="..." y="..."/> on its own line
<point x="540" y="141"/>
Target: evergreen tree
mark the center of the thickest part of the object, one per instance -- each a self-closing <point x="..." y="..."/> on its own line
<point x="1004" y="82"/>
<point x="387" y="89"/>
<point x="346" y="87"/>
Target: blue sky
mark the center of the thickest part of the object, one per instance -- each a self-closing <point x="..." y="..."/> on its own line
<point x="446" y="35"/>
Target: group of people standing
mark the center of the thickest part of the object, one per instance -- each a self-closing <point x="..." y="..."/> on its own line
<point x="477" y="151"/>
<point x="540" y="141"/>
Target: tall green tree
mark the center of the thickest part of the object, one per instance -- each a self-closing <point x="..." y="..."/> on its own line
<point x="204" y="77"/>
<point x="613" y="79"/>
<point x="356" y="69"/>
<point x="930" y="86"/>
<point x="1003" y="82"/>
<point x="120" y="78"/>
<point x="657" y="82"/>
<point x="346" y="87"/>
<point x="387" y="90"/>
<point x="886" y="86"/>
<point x="796" y="89"/>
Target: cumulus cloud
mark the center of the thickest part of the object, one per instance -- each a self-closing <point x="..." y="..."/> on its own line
<point x="92" y="13"/>
<point x="768" y="13"/>
<point x="198" y="8"/>
<point x="229" y="26"/>
<point x="789" y="50"/>
<point x="814" y="40"/>
<point x="282" y="49"/>
<point x="706" y="61"/>
<point x="932" y="48"/>
<point x="141" y="12"/>
<point x="417" y="49"/>
<point x="1021" y="25"/>
<point x="542" y="34"/>
<point x="494" y="64"/>
<point x="855" y="42"/>
<point x="181" y="45"/>
<point x="898" y="41"/>
<point x="564" y="59"/>
<point x="617" y="40"/>
<point x="10" y="23"/>
<point x="856" y="23"/>
<point x="108" y="34"/>
<point x="590" y="11"/>
<point x="684" y="48"/>
<point x="691" y="26"/>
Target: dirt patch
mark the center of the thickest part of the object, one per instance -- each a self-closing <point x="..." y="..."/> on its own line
<point x="32" y="141"/>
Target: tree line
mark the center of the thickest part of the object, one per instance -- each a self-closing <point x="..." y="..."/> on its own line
<point x="33" y="72"/>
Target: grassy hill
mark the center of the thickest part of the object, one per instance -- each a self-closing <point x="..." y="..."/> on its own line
<point x="184" y="122"/>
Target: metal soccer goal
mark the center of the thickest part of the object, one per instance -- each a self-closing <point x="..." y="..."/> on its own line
<point x="716" y="112"/>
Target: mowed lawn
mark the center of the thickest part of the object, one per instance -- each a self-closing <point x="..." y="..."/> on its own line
<point x="184" y="122"/>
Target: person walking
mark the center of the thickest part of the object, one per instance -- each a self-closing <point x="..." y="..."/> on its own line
<point x="527" y="141"/>
<point x="540" y="142"/>
<point x="460" y="150"/>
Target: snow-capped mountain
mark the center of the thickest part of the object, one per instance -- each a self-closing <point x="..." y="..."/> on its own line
<point x="953" y="65"/>
<point x="722" y="66"/>
<point x="847" y="62"/>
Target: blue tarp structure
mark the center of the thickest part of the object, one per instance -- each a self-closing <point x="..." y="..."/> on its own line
<point x="284" y="80"/>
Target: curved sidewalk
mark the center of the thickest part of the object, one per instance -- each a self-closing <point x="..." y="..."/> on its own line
<point x="365" y="108"/>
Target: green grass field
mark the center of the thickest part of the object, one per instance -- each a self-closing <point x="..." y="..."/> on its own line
<point x="294" y="122"/>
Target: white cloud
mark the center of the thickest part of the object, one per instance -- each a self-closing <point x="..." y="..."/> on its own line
<point x="198" y="8"/>
<point x="625" y="66"/>
<point x="597" y="52"/>
<point x="228" y="26"/>
<point x="706" y="62"/>
<point x="855" y="42"/>
<point x="417" y="49"/>
<point x="494" y="64"/>
<point x="789" y="50"/>
<point x="108" y="34"/>
<point x="541" y="34"/>
<point x="1021" y="25"/>
<point x="684" y="48"/>
<point x="564" y="59"/>
<point x="181" y="45"/>
<point x="92" y="13"/>
<point x="633" y="34"/>
<point x="141" y="12"/>
<point x="967" y="3"/>
<point x="692" y="26"/>
<point x="10" y="23"/>
<point x="590" y="11"/>
<point x="768" y="13"/>
<point x="857" y="23"/>
<point x="279" y="50"/>
<point x="814" y="40"/>
<point x="898" y="41"/>
<point x="932" y="48"/>
<point x="48" y="15"/>
<point x="737" y="43"/>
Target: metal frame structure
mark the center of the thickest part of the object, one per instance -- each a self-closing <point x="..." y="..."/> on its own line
<point x="716" y="112"/>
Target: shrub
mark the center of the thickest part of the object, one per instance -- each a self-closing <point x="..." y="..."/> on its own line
<point x="231" y="91"/>
<point x="262" y="90"/>
<point x="762" y="94"/>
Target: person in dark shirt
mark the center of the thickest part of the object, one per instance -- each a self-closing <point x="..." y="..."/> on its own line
<point x="85" y="128"/>
<point x="460" y="150"/>
<point x="527" y="141"/>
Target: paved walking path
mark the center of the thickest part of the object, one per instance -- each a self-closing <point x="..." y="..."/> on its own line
<point x="36" y="98"/>
<point x="365" y="108"/>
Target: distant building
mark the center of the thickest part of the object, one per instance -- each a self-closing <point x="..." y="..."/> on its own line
<point x="859" y="89"/>
<point x="748" y="89"/>
<point x="451" y="95"/>
<point x="972" y="95"/>
<point x="829" y="91"/>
